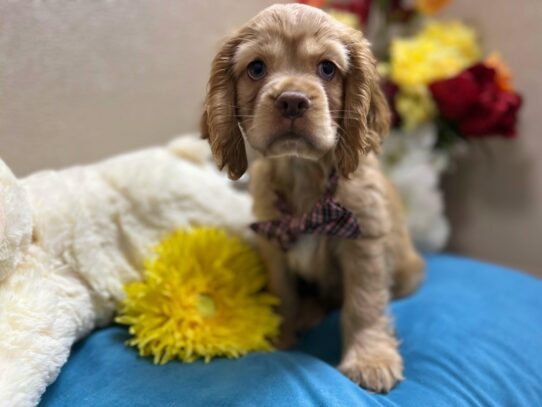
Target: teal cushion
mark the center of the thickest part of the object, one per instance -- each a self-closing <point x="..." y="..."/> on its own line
<point x="472" y="335"/>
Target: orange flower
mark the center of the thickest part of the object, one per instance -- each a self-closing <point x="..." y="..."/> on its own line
<point x="430" y="7"/>
<point x="315" y="3"/>
<point x="503" y="75"/>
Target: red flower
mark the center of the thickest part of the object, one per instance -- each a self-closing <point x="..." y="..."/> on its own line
<point x="390" y="90"/>
<point x="476" y="103"/>
<point x="398" y="11"/>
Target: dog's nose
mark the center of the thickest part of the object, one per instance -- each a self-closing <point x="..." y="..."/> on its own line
<point x="292" y="104"/>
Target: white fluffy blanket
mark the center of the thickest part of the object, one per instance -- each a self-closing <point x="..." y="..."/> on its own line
<point x="70" y="240"/>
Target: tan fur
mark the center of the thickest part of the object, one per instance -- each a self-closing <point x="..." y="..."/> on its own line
<point x="342" y="128"/>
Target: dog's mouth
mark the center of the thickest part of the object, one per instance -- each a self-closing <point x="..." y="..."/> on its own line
<point x="290" y="137"/>
<point x="303" y="137"/>
<point x="292" y="143"/>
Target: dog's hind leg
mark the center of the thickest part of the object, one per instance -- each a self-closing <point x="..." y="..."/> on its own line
<point x="408" y="275"/>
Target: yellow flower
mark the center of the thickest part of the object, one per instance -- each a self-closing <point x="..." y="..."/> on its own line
<point x="383" y="69"/>
<point x="344" y="17"/>
<point x="441" y="50"/>
<point x="201" y="297"/>
<point x="415" y="106"/>
<point x="430" y="7"/>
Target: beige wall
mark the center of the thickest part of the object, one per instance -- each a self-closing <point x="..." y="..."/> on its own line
<point x="82" y="80"/>
<point x="495" y="195"/>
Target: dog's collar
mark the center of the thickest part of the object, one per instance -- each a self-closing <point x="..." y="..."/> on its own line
<point x="327" y="217"/>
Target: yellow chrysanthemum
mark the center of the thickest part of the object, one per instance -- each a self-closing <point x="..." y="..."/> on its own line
<point x="415" y="106"/>
<point x="201" y="297"/>
<point x="441" y="50"/>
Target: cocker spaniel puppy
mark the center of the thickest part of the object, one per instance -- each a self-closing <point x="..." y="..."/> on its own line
<point x="303" y="91"/>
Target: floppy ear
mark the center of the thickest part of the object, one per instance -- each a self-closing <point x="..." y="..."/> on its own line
<point x="366" y="117"/>
<point x="219" y="120"/>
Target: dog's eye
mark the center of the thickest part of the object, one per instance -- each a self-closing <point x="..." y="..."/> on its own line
<point x="256" y="70"/>
<point x="326" y="70"/>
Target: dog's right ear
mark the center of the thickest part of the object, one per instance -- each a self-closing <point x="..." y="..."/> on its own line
<point x="219" y="122"/>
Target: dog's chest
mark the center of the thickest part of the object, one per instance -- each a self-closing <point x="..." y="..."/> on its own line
<point x="310" y="258"/>
<point x="302" y="255"/>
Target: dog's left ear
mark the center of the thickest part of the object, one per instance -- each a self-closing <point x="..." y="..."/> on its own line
<point x="366" y="118"/>
<point x="219" y="122"/>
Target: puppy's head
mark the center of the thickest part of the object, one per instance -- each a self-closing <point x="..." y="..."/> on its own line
<point x="295" y="82"/>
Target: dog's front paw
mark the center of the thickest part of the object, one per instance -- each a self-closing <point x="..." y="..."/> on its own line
<point x="376" y="370"/>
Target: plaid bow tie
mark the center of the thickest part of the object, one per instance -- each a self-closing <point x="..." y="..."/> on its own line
<point x="327" y="217"/>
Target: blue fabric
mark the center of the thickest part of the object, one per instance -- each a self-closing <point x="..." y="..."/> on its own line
<point x="472" y="335"/>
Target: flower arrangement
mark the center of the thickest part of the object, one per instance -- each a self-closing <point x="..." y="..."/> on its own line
<point x="442" y="91"/>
